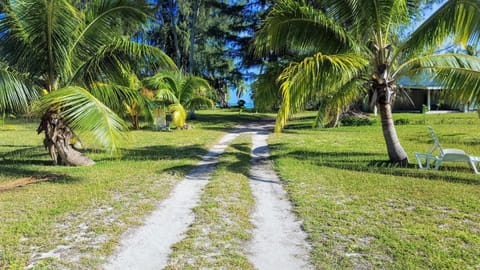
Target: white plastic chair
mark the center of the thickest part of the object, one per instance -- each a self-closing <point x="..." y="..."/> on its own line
<point x="453" y="155"/>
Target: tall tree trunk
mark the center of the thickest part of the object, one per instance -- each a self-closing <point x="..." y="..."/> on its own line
<point x="173" y="13"/>
<point x="384" y="87"/>
<point x="193" y="32"/>
<point x="394" y="148"/>
<point x="222" y="95"/>
<point x="57" y="141"/>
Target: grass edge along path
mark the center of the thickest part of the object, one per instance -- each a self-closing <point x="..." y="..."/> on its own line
<point x="278" y="239"/>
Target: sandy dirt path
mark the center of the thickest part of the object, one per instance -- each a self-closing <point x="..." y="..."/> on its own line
<point x="148" y="246"/>
<point x="278" y="241"/>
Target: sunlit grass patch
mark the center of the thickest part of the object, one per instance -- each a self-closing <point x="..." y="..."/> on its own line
<point x="360" y="212"/>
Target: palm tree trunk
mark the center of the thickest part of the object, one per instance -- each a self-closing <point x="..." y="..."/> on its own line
<point x="396" y="153"/>
<point x="57" y="142"/>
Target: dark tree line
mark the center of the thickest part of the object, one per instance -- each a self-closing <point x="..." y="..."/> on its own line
<point x="208" y="38"/>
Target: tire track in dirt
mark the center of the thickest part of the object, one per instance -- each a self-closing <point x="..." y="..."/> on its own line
<point x="278" y="240"/>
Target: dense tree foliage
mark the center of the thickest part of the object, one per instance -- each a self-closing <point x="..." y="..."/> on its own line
<point x="208" y="38"/>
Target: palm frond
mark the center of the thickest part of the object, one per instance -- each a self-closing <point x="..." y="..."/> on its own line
<point x="462" y="82"/>
<point x="86" y="114"/>
<point x="165" y="95"/>
<point x="15" y="94"/>
<point x="174" y="86"/>
<point x="320" y="74"/>
<point x="179" y="115"/>
<point x="364" y="17"/>
<point x="102" y="21"/>
<point x="199" y="102"/>
<point x="112" y="61"/>
<point x="344" y="12"/>
<point x="266" y="89"/>
<point x="456" y="18"/>
<point x="334" y="103"/>
<point x="36" y="35"/>
<point x="163" y="79"/>
<point x="434" y="62"/>
<point x="192" y="85"/>
<point x="459" y="74"/>
<point x="114" y="95"/>
<point x="292" y="25"/>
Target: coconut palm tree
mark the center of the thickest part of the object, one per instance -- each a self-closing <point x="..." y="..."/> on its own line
<point x="141" y="105"/>
<point x="71" y="51"/>
<point x="356" y="43"/>
<point x="14" y="92"/>
<point x="181" y="92"/>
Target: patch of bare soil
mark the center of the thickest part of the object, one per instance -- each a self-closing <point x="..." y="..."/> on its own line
<point x="80" y="239"/>
<point x="21" y="182"/>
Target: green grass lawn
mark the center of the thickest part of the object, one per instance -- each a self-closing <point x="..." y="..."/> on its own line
<point x="361" y="213"/>
<point x="89" y="207"/>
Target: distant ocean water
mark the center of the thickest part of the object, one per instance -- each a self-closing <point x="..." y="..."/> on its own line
<point x="248" y="105"/>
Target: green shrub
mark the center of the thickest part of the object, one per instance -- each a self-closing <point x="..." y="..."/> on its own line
<point x="356" y="121"/>
<point x="402" y="121"/>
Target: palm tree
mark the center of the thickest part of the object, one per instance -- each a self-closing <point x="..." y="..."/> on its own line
<point x="73" y="50"/>
<point x="180" y="92"/>
<point x="141" y="105"/>
<point x="358" y="44"/>
<point x="14" y="92"/>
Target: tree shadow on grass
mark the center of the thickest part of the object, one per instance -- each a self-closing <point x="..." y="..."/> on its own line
<point x="160" y="152"/>
<point x="298" y="127"/>
<point x="453" y="138"/>
<point x="30" y="161"/>
<point x="183" y="170"/>
<point x="228" y="122"/>
<point x="370" y="162"/>
<point x="12" y="170"/>
<point x="26" y="181"/>
<point x="242" y="165"/>
<point x="14" y="163"/>
<point x="23" y="152"/>
<point x="16" y="172"/>
<point x="300" y="123"/>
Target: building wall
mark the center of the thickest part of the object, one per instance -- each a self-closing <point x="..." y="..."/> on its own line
<point x="437" y="102"/>
<point x="419" y="98"/>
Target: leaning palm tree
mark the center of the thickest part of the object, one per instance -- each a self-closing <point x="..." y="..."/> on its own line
<point x="357" y="44"/>
<point x="72" y="52"/>
<point x="181" y="92"/>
